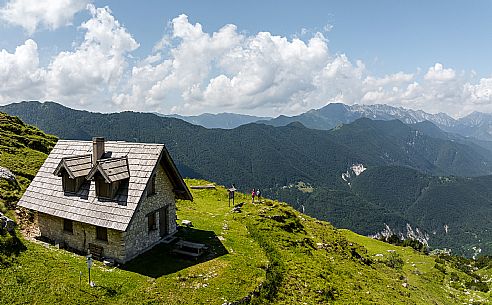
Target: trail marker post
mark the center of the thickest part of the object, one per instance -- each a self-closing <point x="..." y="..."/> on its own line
<point x="232" y="190"/>
<point x="89" y="266"/>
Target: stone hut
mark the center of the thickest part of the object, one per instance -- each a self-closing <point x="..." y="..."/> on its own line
<point x="115" y="198"/>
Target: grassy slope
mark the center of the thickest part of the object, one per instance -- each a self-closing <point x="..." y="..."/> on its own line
<point x="422" y="276"/>
<point x="23" y="149"/>
<point x="345" y="273"/>
<point x="51" y="276"/>
<point x="298" y="259"/>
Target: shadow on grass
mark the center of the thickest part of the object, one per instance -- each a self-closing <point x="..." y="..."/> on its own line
<point x="10" y="243"/>
<point x="10" y="247"/>
<point x="160" y="260"/>
<point x="99" y="291"/>
<point x="109" y="291"/>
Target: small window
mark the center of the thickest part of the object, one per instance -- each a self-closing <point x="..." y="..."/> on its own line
<point x="151" y="220"/>
<point x="68" y="226"/>
<point x="103" y="189"/>
<point x="102" y="233"/>
<point x="152" y="186"/>
<point x="68" y="183"/>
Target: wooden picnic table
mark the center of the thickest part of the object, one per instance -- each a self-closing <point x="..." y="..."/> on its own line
<point x="190" y="248"/>
<point x="189" y="244"/>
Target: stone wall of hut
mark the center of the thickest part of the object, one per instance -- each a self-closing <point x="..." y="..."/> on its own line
<point x="138" y="237"/>
<point x="83" y="234"/>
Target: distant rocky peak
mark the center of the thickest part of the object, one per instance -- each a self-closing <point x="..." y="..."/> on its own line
<point x="476" y="119"/>
<point x="408" y="116"/>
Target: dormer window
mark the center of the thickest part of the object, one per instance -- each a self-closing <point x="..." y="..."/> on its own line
<point x="73" y="170"/>
<point x="68" y="184"/>
<point x="108" y="175"/>
<point x="104" y="189"/>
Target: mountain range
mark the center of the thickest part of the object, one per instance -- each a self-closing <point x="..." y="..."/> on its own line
<point x="223" y="120"/>
<point x="364" y="175"/>
<point x="476" y="124"/>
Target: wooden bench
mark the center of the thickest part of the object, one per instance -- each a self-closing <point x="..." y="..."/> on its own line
<point x="201" y="187"/>
<point x="189" y="248"/>
<point x="189" y="244"/>
<point x="96" y="251"/>
<point x="192" y="254"/>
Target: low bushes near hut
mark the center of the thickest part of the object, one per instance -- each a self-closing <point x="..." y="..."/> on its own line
<point x="394" y="261"/>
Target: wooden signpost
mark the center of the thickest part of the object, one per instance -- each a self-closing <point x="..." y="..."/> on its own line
<point x="232" y="191"/>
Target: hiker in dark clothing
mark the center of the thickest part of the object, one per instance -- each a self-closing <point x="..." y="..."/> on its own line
<point x="258" y="195"/>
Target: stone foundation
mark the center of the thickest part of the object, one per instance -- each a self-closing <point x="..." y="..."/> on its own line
<point x="83" y="234"/>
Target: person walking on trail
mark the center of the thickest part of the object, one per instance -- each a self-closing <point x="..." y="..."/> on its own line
<point x="253" y="193"/>
<point x="258" y="195"/>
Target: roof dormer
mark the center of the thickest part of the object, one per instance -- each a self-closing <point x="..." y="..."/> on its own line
<point x="73" y="171"/>
<point x="108" y="175"/>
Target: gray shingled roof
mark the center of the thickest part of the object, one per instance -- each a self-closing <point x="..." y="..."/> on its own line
<point x="45" y="193"/>
<point x="112" y="169"/>
<point x="76" y="166"/>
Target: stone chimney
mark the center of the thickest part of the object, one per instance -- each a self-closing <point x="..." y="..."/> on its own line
<point x="97" y="149"/>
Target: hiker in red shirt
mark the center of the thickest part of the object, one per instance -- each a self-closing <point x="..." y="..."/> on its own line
<point x="253" y="193"/>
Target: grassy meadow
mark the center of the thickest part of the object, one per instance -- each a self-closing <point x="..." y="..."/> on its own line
<point x="268" y="251"/>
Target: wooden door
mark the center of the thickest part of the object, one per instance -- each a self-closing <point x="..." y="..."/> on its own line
<point x="164" y="221"/>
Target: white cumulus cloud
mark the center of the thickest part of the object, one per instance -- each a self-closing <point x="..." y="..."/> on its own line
<point x="32" y="14"/>
<point x="20" y="75"/>
<point x="89" y="74"/>
<point x="438" y="73"/>
<point x="226" y="70"/>
<point x="192" y="71"/>
<point x="96" y="67"/>
<point x="481" y="92"/>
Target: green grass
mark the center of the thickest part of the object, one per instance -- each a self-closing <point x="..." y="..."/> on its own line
<point x="422" y="274"/>
<point x="283" y="256"/>
<point x="321" y="265"/>
<point x="23" y="149"/>
<point x="51" y="276"/>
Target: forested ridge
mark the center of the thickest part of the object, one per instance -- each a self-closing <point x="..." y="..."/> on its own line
<point x="411" y="170"/>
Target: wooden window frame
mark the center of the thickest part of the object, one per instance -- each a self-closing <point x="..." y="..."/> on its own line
<point x="152" y="221"/>
<point x="101" y="234"/>
<point x="68" y="226"/>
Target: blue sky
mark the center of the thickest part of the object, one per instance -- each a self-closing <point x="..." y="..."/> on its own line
<point x="430" y="55"/>
<point x="388" y="35"/>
